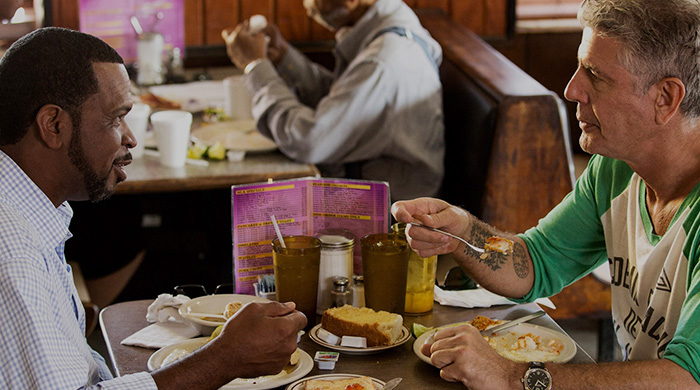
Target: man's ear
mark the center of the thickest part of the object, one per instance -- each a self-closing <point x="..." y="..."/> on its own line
<point x="54" y="125"/>
<point x="670" y="94"/>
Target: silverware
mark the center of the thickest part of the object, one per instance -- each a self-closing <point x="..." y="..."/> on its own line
<point x="391" y="384"/>
<point x="510" y="324"/>
<point x="475" y="248"/>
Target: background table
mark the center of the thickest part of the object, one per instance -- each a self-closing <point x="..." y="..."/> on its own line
<point x="147" y="175"/>
<point x="121" y="320"/>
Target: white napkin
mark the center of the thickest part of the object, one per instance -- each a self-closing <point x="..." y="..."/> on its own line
<point x="164" y="308"/>
<point x="169" y="327"/>
<point x="161" y="334"/>
<point x="478" y="297"/>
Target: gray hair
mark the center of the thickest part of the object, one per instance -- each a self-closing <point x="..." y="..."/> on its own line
<point x="660" y="38"/>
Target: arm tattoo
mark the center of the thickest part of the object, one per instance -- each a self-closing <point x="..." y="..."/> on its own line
<point x="493" y="260"/>
<point x="520" y="263"/>
<point x="496" y="260"/>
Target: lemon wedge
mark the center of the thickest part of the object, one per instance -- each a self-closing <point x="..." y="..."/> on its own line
<point x="196" y="151"/>
<point x="216" y="151"/>
<point x="417" y="329"/>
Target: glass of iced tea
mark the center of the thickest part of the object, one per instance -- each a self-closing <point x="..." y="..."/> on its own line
<point x="296" y="272"/>
<point x="385" y="267"/>
<point x="420" y="283"/>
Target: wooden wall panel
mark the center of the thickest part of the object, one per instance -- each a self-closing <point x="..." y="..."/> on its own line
<point x="495" y="17"/>
<point x="65" y="14"/>
<point x="204" y="19"/>
<point x="439" y="4"/>
<point x="254" y="7"/>
<point x="218" y="15"/>
<point x="194" y="20"/>
<point x="469" y="13"/>
<point x="292" y="20"/>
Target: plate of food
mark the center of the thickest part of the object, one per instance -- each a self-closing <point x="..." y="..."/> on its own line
<point x="239" y="135"/>
<point x="210" y="310"/>
<point x="337" y="382"/>
<point x="382" y="330"/>
<point x="522" y="343"/>
<point x="299" y="366"/>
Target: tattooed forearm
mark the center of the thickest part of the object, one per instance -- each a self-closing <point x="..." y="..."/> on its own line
<point x="520" y="263"/>
<point x="493" y="260"/>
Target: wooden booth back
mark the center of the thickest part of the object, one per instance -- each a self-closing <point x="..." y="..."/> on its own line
<point x="508" y="158"/>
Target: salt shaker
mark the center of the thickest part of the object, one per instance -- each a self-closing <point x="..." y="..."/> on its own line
<point x="358" y="291"/>
<point x="341" y="294"/>
<point x="336" y="260"/>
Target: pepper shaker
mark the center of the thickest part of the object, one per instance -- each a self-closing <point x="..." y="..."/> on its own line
<point x="341" y="294"/>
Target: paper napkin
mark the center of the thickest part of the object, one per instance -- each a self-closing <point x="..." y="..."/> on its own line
<point x="161" y="334"/>
<point x="164" y="308"/>
<point x="478" y="297"/>
<point x="169" y="327"/>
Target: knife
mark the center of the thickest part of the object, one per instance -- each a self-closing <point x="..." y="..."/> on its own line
<point x="510" y="324"/>
<point x="391" y="384"/>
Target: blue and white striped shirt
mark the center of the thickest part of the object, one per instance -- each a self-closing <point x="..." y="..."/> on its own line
<point x="42" y="322"/>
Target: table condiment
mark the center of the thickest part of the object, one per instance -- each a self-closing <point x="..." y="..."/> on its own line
<point x="336" y="260"/>
<point x="358" y="291"/>
<point x="341" y="294"/>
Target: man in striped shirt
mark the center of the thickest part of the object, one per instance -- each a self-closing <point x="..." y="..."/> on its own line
<point x="63" y="98"/>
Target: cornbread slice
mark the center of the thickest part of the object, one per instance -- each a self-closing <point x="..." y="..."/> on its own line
<point x="379" y="328"/>
<point x="360" y="383"/>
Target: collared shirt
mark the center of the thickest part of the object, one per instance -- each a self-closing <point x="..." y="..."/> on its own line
<point x="380" y="111"/>
<point x="43" y="321"/>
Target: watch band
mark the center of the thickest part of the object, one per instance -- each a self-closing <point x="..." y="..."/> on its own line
<point x="537" y="377"/>
<point x="251" y="65"/>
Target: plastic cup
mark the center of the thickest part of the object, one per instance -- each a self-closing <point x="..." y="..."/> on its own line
<point x="137" y="120"/>
<point x="237" y="100"/>
<point x="296" y="273"/>
<point x="385" y="268"/>
<point x="172" y="129"/>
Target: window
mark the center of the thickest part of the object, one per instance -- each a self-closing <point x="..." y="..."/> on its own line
<point x="546" y="9"/>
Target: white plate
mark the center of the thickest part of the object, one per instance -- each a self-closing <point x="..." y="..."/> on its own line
<point x="568" y="345"/>
<point x="213" y="304"/>
<point x="405" y="336"/>
<point x="305" y="365"/>
<point x="234" y="135"/>
<point x="194" y="96"/>
<point x="301" y="384"/>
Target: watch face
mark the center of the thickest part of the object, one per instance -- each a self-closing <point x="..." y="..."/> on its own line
<point x="538" y="379"/>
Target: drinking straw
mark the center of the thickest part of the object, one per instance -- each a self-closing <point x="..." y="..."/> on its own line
<point x="277" y="229"/>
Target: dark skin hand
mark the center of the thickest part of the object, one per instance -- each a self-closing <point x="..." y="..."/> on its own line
<point x="258" y="340"/>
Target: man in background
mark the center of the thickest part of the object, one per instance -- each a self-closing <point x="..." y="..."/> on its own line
<point x="378" y="116"/>
<point x="63" y="98"/>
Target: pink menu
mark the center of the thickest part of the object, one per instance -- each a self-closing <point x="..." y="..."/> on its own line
<point x="111" y="21"/>
<point x="301" y="207"/>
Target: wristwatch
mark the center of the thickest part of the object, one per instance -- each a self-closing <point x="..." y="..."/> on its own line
<point x="537" y="377"/>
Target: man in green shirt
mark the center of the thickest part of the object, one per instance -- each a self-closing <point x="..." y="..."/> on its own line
<point x="636" y="206"/>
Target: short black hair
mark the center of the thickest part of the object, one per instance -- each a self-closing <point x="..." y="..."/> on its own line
<point x="50" y="65"/>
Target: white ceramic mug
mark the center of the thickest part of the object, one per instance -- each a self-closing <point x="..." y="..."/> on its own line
<point x="237" y="101"/>
<point x="137" y="120"/>
<point x="172" y="129"/>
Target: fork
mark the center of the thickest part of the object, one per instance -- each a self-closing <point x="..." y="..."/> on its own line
<point x="475" y="248"/>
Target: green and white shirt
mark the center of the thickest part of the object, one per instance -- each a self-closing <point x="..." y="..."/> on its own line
<point x="655" y="279"/>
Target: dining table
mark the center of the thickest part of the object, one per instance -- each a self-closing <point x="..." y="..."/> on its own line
<point x="146" y="174"/>
<point x="125" y="318"/>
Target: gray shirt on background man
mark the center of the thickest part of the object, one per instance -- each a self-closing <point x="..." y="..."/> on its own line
<point x="377" y="117"/>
